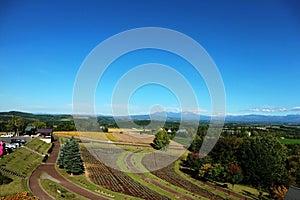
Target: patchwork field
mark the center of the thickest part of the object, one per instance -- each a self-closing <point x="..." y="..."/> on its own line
<point x="115" y="180"/>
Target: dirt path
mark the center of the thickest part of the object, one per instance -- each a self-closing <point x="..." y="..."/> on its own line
<point x="49" y="167"/>
<point x="153" y="182"/>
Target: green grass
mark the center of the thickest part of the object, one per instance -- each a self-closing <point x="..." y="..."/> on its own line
<point x="184" y="141"/>
<point x="18" y="185"/>
<point x="289" y="141"/>
<point x="52" y="188"/>
<point x="243" y="190"/>
<point x="39" y="146"/>
<point x="21" y="161"/>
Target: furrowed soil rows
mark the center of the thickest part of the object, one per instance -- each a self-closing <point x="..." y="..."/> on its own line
<point x="168" y="174"/>
<point x="115" y="180"/>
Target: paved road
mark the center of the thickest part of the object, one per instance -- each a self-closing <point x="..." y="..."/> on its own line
<point x="49" y="167"/>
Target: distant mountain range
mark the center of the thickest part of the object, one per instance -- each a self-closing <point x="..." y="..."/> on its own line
<point x="170" y="116"/>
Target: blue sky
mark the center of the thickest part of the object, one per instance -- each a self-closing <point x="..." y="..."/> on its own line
<point x="255" y="45"/>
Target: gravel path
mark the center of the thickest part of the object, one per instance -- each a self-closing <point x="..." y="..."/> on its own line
<point x="49" y="168"/>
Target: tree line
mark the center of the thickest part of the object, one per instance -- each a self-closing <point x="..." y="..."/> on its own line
<point x="258" y="160"/>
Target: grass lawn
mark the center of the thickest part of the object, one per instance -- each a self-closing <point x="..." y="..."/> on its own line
<point x="289" y="141"/>
<point x="57" y="191"/>
<point x="245" y="190"/>
<point x="39" y="146"/>
<point x="184" y="141"/>
<point x="23" y="162"/>
<point x="18" y="185"/>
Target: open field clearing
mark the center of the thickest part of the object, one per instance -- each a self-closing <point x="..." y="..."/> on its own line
<point x="115" y="137"/>
<point x="134" y="138"/>
<point x="128" y="130"/>
<point x="92" y="135"/>
<point x="115" y="180"/>
<point x="290" y="141"/>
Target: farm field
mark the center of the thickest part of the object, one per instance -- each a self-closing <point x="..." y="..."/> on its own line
<point x="169" y="175"/>
<point x="115" y="136"/>
<point x="132" y="164"/>
<point x="290" y="141"/>
<point x="115" y="180"/>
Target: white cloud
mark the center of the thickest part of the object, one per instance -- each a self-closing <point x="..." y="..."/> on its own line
<point x="274" y="110"/>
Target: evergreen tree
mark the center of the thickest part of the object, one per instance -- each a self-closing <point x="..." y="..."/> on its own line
<point x="60" y="160"/>
<point x="70" y="157"/>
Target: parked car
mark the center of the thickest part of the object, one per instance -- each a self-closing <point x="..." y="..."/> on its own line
<point x="11" y="146"/>
<point x="19" y="141"/>
<point x="7" y="136"/>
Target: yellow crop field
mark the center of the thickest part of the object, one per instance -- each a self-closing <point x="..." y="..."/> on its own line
<point x="92" y="135"/>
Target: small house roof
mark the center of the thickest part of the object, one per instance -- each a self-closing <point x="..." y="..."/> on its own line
<point x="45" y="130"/>
<point x="29" y="128"/>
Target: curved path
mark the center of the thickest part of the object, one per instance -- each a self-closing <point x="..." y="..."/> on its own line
<point x="49" y="167"/>
<point x="152" y="181"/>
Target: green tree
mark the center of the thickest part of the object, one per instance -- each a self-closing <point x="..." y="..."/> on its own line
<point x="217" y="172"/>
<point x="263" y="160"/>
<point x="38" y="124"/>
<point x="234" y="174"/>
<point x="70" y="157"/>
<point x="15" y="125"/>
<point x="161" y="140"/>
<point x="60" y="160"/>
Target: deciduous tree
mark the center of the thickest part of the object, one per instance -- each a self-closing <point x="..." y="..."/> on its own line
<point x="161" y="140"/>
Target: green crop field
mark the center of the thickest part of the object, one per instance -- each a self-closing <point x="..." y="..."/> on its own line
<point x="290" y="141"/>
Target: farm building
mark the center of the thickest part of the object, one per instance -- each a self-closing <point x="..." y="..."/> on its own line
<point x="30" y="130"/>
<point x="45" y="134"/>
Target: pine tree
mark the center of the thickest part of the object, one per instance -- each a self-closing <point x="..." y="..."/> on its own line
<point x="60" y="160"/>
<point x="70" y="157"/>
